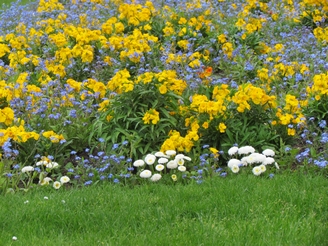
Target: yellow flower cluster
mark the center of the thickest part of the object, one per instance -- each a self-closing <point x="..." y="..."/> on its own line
<point x="320" y="86"/>
<point x="49" y="5"/>
<point x="151" y="117"/>
<point x="17" y="133"/>
<point x="120" y="82"/>
<point x="249" y="93"/>
<point x="54" y="137"/>
<point x="179" y="143"/>
<point x="6" y="116"/>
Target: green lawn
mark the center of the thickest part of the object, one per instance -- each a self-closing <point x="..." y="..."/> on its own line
<point x="289" y="209"/>
<point x="8" y="2"/>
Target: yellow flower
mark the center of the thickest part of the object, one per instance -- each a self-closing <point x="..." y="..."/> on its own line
<point x="174" y="177"/>
<point x="222" y="127"/>
<point x="151" y="117"/>
<point x="291" y="131"/>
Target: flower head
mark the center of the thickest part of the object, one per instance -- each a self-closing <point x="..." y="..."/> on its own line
<point x="268" y="152"/>
<point x="64" y="179"/>
<point x="156" y="177"/>
<point x="233" y="162"/>
<point x="145" y="174"/>
<point x="150" y="159"/>
<point x="138" y="163"/>
<point x="182" y="168"/>
<point x="56" y="185"/>
<point x="172" y="164"/>
<point x="233" y="150"/>
<point x="27" y="169"/>
<point x="235" y="168"/>
<point x="256" y="170"/>
<point x="159" y="167"/>
<point x="244" y="150"/>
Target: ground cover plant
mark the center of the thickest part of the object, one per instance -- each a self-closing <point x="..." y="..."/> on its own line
<point x="160" y="91"/>
<point x="289" y="209"/>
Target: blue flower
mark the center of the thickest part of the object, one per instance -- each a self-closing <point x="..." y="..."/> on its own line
<point x="224" y="174"/>
<point x="322" y="124"/>
<point x="89" y="182"/>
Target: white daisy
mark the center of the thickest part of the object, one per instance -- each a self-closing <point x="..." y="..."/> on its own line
<point x="256" y="170"/>
<point x="233" y="150"/>
<point x="27" y="169"/>
<point x="235" y="168"/>
<point x="233" y="162"/>
<point x="268" y="161"/>
<point x="145" y="174"/>
<point x="170" y="152"/>
<point x="64" y="179"/>
<point x="156" y="177"/>
<point x="159" y="167"/>
<point x="150" y="159"/>
<point x="268" y="152"/>
<point x="172" y="164"/>
<point x="244" y="150"/>
<point x="138" y="163"/>
<point x="182" y="168"/>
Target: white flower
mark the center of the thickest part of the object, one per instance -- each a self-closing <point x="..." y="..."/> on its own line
<point x="276" y="165"/>
<point x="244" y="150"/>
<point x="182" y="156"/>
<point x="145" y="174"/>
<point x="161" y="154"/>
<point x="235" y="168"/>
<point x="27" y="169"/>
<point x="263" y="168"/>
<point x="162" y="160"/>
<point x="138" y="163"/>
<point x="159" y="167"/>
<point x="45" y="198"/>
<point x="56" y="185"/>
<point x="150" y="159"/>
<point x="41" y="163"/>
<point x="64" y="179"/>
<point x="268" y="161"/>
<point x="26" y="202"/>
<point x="170" y="152"/>
<point x="52" y="164"/>
<point x="268" y="152"/>
<point x="233" y="162"/>
<point x="180" y="161"/>
<point x="172" y="164"/>
<point x="156" y="177"/>
<point x="255" y="158"/>
<point x="256" y="170"/>
<point x="63" y="201"/>
<point x="244" y="161"/>
<point x="14" y="238"/>
<point x="233" y="150"/>
<point x="182" y="168"/>
<point x="45" y="181"/>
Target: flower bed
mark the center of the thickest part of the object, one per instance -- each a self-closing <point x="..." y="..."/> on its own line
<point x="98" y="87"/>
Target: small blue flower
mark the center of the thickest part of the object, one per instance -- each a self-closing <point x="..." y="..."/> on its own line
<point x="271" y="175"/>
<point x="89" y="182"/>
<point x="224" y="174"/>
<point x="322" y="124"/>
<point x="116" y="181"/>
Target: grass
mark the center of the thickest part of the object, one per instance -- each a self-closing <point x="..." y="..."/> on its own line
<point x="290" y="209"/>
<point x="9" y="2"/>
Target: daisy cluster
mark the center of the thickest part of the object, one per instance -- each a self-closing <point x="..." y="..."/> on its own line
<point x="161" y="163"/>
<point x="247" y="156"/>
